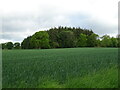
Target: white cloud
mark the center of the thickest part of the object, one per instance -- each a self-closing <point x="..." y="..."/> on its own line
<point x="22" y="18"/>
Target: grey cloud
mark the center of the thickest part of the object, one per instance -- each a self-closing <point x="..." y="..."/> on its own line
<point x="99" y="27"/>
<point x="17" y="27"/>
<point x="13" y="37"/>
<point x="104" y="28"/>
<point x="17" y="24"/>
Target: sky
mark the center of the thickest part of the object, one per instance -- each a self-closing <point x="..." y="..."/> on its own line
<point x="22" y="18"/>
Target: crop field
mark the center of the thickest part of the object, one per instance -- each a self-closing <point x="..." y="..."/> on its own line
<point x="60" y="68"/>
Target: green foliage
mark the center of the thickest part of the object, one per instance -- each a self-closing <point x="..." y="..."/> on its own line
<point x="9" y="45"/>
<point x="40" y="40"/>
<point x="54" y="45"/>
<point x="106" y="41"/>
<point x="118" y="38"/>
<point x="92" y="40"/>
<point x="16" y="45"/>
<point x="82" y="40"/>
<point x="26" y="43"/>
<point x="67" y="39"/>
<point x="114" y="42"/>
<point x="98" y="43"/>
<point x="4" y="45"/>
<point x="55" y="35"/>
<point x="60" y="68"/>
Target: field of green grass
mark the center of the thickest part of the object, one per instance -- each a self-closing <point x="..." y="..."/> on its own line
<point x="60" y="68"/>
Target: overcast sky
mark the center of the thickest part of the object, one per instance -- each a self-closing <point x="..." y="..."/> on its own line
<point x="22" y="18"/>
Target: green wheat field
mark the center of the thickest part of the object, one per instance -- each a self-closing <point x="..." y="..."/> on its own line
<point x="60" y="68"/>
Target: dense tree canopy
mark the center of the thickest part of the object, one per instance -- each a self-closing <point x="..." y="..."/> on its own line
<point x="9" y="45"/>
<point x="92" y="40"/>
<point x="64" y="37"/>
<point x="67" y="39"/>
<point x="106" y="41"/>
<point x="82" y="40"/>
<point x="40" y="40"/>
<point x="114" y="42"/>
<point x="16" y="45"/>
<point x="118" y="38"/>
<point x="26" y="43"/>
<point x="4" y="45"/>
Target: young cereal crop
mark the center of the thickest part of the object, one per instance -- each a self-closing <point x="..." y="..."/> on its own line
<point x="60" y="68"/>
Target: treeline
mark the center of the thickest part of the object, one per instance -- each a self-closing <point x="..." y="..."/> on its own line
<point x="63" y="37"/>
<point x="10" y="45"/>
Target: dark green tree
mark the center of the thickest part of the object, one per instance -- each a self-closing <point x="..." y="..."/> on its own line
<point x="17" y="45"/>
<point x="0" y="46"/>
<point x="67" y="39"/>
<point x="106" y="41"/>
<point x="82" y="40"/>
<point x="54" y="45"/>
<point x="92" y="40"/>
<point x="26" y="43"/>
<point x="118" y="38"/>
<point x="54" y="33"/>
<point x="98" y="43"/>
<point x="9" y="45"/>
<point x="114" y="42"/>
<point x="4" y="45"/>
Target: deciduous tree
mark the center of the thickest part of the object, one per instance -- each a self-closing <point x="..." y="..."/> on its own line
<point x="82" y="40"/>
<point x="9" y="45"/>
<point x="67" y="39"/>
